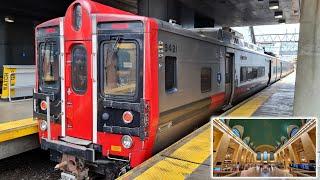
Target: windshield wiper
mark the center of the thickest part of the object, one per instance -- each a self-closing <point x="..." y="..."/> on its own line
<point x="115" y="47"/>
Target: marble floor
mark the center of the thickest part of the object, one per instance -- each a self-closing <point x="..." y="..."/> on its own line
<point x="265" y="172"/>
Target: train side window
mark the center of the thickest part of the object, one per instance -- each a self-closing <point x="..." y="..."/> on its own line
<point x="79" y="69"/>
<point x="243" y="75"/>
<point x="170" y="74"/>
<point x="261" y="71"/>
<point x="205" y="79"/>
<point x="249" y="73"/>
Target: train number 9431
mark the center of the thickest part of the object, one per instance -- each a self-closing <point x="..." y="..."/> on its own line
<point x="168" y="47"/>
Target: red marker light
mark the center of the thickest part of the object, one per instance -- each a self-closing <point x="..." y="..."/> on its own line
<point x="50" y="30"/>
<point x="43" y="105"/>
<point x="127" y="117"/>
<point x="119" y="26"/>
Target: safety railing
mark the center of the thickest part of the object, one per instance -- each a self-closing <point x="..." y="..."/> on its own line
<point x="21" y="90"/>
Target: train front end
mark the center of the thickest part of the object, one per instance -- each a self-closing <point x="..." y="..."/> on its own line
<point x="102" y="114"/>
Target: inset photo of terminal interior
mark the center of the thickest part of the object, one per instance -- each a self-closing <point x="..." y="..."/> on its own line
<point x="93" y="89"/>
<point x="265" y="147"/>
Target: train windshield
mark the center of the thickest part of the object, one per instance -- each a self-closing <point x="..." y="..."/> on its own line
<point x="48" y="64"/>
<point x="120" y="67"/>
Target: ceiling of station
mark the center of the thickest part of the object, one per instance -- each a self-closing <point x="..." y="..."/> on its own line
<point x="245" y="12"/>
<point x="35" y="9"/>
<point x="224" y="12"/>
<point x="264" y="131"/>
<point x="47" y="9"/>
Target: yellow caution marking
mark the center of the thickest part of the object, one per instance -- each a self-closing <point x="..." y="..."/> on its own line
<point x="8" y="73"/>
<point x="183" y="161"/>
<point x="248" y="108"/>
<point x="19" y="128"/>
<point x="169" y="169"/>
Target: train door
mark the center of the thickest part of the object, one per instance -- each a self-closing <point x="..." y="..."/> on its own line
<point x="281" y="75"/>
<point x="229" y="77"/>
<point x="270" y="71"/>
<point x="78" y="90"/>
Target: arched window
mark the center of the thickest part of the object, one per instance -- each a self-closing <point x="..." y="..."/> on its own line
<point x="247" y="140"/>
<point x="283" y="139"/>
<point x="259" y="156"/>
<point x="265" y="156"/>
<point x="223" y="120"/>
<point x="236" y="132"/>
<point x="271" y="156"/>
<point x="294" y="131"/>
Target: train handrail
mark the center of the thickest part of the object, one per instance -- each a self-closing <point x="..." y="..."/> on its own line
<point x="11" y="87"/>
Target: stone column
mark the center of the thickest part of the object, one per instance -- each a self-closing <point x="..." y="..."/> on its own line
<point x="307" y="96"/>
<point x="222" y="148"/>
<point x="293" y="155"/>
<point x="308" y="147"/>
<point x="237" y="155"/>
<point x="243" y="156"/>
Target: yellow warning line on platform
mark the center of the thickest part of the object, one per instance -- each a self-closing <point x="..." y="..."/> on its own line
<point x="182" y="161"/>
<point x="247" y="109"/>
<point x="19" y="128"/>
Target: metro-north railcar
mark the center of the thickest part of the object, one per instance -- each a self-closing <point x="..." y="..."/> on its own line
<point x="113" y="88"/>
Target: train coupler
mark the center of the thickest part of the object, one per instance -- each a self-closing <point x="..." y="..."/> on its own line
<point x="72" y="168"/>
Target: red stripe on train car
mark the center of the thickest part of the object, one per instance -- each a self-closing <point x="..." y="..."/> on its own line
<point x="217" y="100"/>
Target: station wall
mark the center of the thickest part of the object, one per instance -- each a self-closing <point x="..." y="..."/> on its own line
<point x="16" y="42"/>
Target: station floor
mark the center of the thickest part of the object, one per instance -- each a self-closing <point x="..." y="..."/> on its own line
<point x="16" y="119"/>
<point x="257" y="172"/>
<point x="190" y="157"/>
<point x="17" y="110"/>
<point x="17" y="128"/>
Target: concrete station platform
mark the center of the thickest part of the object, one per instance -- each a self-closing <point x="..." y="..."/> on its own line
<point x="276" y="101"/>
<point x="17" y="128"/>
<point x="190" y="158"/>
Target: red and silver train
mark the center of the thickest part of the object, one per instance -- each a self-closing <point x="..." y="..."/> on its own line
<point x="113" y="88"/>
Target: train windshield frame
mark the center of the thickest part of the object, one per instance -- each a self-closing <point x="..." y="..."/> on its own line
<point x="48" y="63"/>
<point x="120" y="77"/>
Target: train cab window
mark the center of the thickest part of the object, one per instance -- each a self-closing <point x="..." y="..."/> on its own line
<point x="49" y="61"/>
<point x="170" y="74"/>
<point x="120" y="68"/>
<point x="79" y="69"/>
<point x="205" y="79"/>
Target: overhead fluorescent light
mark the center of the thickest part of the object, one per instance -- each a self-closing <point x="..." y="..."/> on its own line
<point x="278" y="14"/>
<point x="9" y="19"/>
<point x="273" y="5"/>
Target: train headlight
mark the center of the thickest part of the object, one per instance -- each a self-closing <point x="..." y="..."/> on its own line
<point x="43" y="105"/>
<point x="77" y="17"/>
<point x="126" y="141"/>
<point x="43" y="125"/>
<point x="127" y="117"/>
